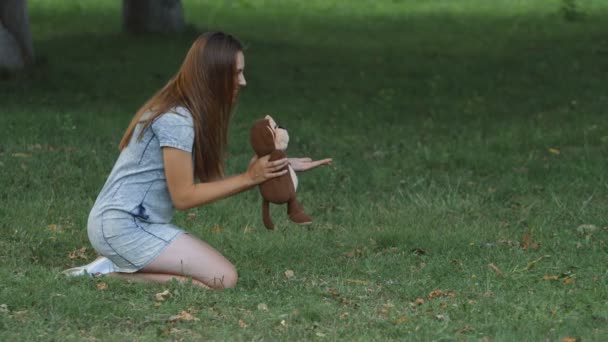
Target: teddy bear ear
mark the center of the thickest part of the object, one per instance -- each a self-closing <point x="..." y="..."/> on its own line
<point x="268" y="117"/>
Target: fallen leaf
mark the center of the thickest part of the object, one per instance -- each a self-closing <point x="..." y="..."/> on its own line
<point x="466" y="328"/>
<point x="216" y="229"/>
<point x="357" y="281"/>
<point x="382" y="312"/>
<point x="283" y="323"/>
<point x="568" y="280"/>
<point x="334" y="292"/>
<point x="262" y="307"/>
<point x="320" y="334"/>
<point x="19" y="315"/>
<point x="550" y="277"/>
<point x="344" y="315"/>
<point x="435" y="294"/>
<point x="242" y="324"/>
<point x="289" y="274"/>
<point x="554" y="151"/>
<point x="401" y="319"/>
<point x="417" y="302"/>
<point x="52" y="227"/>
<point x="527" y="243"/>
<point x="586" y="228"/>
<point x="191" y="216"/>
<point x="495" y="269"/>
<point x="442" y="317"/>
<point x="569" y="339"/>
<point x="161" y="296"/>
<point x="21" y="155"/>
<point x="78" y="254"/>
<point x="3" y="308"/>
<point x="102" y="286"/>
<point x="157" y="304"/>
<point x="183" y="316"/>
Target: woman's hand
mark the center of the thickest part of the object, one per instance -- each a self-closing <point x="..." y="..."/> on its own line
<point x="305" y="164"/>
<point x="261" y="170"/>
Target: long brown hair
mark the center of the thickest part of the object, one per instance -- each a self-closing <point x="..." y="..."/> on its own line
<point x="205" y="84"/>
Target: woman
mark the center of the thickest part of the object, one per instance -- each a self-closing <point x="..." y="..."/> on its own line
<point x="178" y="135"/>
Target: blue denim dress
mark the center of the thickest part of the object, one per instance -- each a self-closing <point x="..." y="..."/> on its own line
<point x="130" y="221"/>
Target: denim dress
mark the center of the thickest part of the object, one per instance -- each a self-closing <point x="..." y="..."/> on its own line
<point x="130" y="220"/>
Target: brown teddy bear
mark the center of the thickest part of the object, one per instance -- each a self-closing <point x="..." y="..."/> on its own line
<point x="269" y="138"/>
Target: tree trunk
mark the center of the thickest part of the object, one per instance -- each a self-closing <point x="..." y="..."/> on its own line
<point x="152" y="16"/>
<point x="16" y="49"/>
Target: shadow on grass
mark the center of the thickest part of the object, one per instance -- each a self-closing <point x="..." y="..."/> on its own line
<point x="378" y="64"/>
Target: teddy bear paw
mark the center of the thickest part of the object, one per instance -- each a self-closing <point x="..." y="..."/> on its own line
<point x="301" y="218"/>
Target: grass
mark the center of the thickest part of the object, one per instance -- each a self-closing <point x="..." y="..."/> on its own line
<point x="464" y="134"/>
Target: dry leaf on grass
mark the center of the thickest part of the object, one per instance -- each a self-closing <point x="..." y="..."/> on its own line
<point x="78" y="254"/>
<point x="161" y="296"/>
<point x="401" y="319"/>
<point x="554" y="151"/>
<point x="495" y="269"/>
<point x="435" y="294"/>
<point x="357" y="281"/>
<point x="527" y="243"/>
<point x="550" y="277"/>
<point x="417" y="302"/>
<point x="3" y="308"/>
<point x="586" y="228"/>
<point x="568" y="280"/>
<point x="19" y="315"/>
<point x="465" y="329"/>
<point x="262" y="307"/>
<point x="438" y="293"/>
<point x="183" y="316"/>
<point x="289" y="274"/>
<point x="102" y="286"/>
<point x="569" y="339"/>
<point x="216" y="229"/>
<point x="21" y="155"/>
<point x="242" y="324"/>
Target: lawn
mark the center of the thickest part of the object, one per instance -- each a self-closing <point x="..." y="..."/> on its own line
<point x="467" y="199"/>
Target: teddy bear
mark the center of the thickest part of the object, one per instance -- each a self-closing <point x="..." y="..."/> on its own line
<point x="269" y="138"/>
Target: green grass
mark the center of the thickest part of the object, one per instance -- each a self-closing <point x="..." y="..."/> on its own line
<point x="457" y="128"/>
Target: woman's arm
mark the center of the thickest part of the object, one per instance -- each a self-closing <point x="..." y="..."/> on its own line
<point x="185" y="194"/>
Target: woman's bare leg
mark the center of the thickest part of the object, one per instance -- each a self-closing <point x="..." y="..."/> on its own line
<point x="186" y="257"/>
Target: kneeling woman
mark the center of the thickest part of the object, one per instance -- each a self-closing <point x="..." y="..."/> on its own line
<point x="178" y="135"/>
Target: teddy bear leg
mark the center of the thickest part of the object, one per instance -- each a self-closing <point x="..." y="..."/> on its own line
<point x="296" y="212"/>
<point x="266" y="215"/>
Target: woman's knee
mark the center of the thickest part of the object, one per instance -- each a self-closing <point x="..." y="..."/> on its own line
<point x="225" y="278"/>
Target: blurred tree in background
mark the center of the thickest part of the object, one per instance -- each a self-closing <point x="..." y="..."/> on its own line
<point x="139" y="16"/>
<point x="16" y="48"/>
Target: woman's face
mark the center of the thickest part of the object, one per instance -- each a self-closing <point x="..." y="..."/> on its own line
<point x="240" y="76"/>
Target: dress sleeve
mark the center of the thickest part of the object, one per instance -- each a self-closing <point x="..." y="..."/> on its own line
<point x="174" y="130"/>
